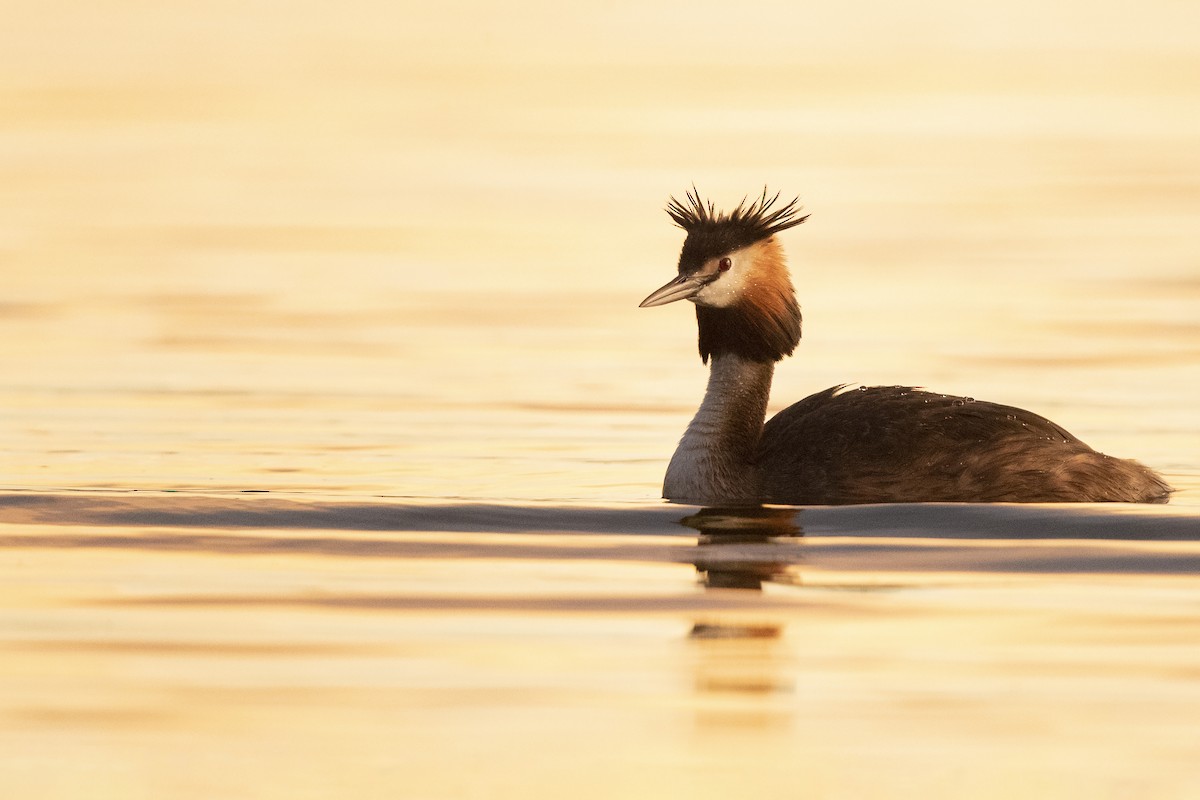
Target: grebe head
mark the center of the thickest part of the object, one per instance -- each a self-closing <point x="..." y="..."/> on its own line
<point x="734" y="270"/>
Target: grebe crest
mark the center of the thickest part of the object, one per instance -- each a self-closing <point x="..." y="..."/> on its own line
<point x="735" y="272"/>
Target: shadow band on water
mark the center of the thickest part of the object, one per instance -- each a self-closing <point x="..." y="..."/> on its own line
<point x="731" y="548"/>
<point x="921" y="520"/>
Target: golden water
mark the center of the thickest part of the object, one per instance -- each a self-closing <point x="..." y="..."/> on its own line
<point x="333" y="434"/>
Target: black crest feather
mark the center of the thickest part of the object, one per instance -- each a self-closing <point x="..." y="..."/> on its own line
<point x="712" y="233"/>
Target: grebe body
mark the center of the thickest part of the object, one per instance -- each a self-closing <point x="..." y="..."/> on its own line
<point x="882" y="444"/>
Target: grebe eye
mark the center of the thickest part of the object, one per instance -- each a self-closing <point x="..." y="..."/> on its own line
<point x="724" y="264"/>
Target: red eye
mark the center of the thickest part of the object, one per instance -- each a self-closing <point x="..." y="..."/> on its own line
<point x="724" y="264"/>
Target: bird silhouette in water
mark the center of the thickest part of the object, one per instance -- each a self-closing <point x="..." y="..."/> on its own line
<point x="878" y="444"/>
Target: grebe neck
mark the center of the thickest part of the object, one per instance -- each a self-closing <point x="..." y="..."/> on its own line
<point x="714" y="460"/>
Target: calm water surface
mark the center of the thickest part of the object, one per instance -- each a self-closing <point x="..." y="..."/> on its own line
<point x="333" y="436"/>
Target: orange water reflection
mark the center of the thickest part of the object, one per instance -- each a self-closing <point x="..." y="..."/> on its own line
<point x="321" y="645"/>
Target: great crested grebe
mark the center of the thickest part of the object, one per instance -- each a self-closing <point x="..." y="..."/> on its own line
<point x="879" y="444"/>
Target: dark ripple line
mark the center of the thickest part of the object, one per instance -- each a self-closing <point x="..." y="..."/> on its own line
<point x="259" y="511"/>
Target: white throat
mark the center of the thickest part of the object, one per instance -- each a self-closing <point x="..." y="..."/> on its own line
<point x="714" y="461"/>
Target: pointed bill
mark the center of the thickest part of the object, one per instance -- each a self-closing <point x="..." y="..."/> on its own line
<point x="681" y="288"/>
